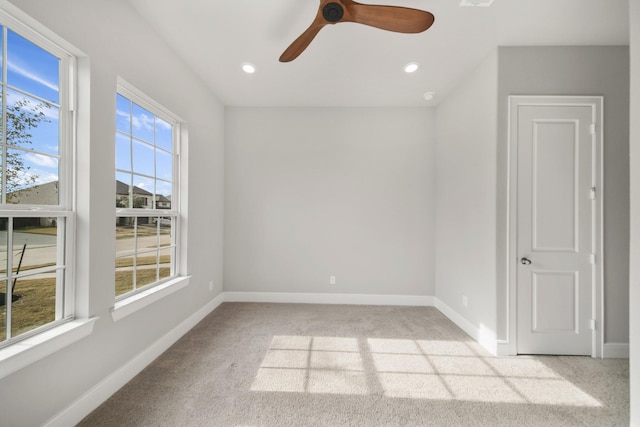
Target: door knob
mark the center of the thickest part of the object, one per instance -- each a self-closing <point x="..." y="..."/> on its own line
<point x="525" y="261"/>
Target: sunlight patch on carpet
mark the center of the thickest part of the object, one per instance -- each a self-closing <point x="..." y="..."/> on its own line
<point x="411" y="369"/>
<point x="323" y="365"/>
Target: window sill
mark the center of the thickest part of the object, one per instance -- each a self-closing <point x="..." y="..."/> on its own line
<point x="23" y="353"/>
<point x="130" y="305"/>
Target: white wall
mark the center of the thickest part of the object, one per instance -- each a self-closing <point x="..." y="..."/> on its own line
<point x="116" y="42"/>
<point x="587" y="70"/>
<point x="465" y="197"/>
<point x="314" y="192"/>
<point x="634" y="297"/>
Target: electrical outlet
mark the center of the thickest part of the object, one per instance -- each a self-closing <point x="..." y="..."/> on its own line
<point x="332" y="280"/>
<point x="211" y="286"/>
<point x="465" y="301"/>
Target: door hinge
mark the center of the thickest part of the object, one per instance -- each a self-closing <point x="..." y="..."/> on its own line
<point x="592" y="324"/>
<point x="592" y="259"/>
<point x="592" y="128"/>
<point x="592" y="193"/>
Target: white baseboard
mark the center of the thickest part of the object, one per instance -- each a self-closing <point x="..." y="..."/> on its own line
<point x="485" y="338"/>
<point x="308" y="298"/>
<point x="99" y="393"/>
<point x="504" y="348"/>
<point x="615" y="351"/>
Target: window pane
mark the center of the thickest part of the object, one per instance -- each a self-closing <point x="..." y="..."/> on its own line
<point x="164" y="188"/>
<point x="31" y="178"/>
<point x="123" y="183"/>
<point x="123" y="114"/>
<point x="167" y="252"/>
<point x="143" y="158"/>
<point x="31" y="156"/>
<point x="32" y="124"/>
<point x="166" y="228"/>
<point x="35" y="243"/>
<point x="164" y="165"/>
<point x="147" y="234"/>
<point x="124" y="279"/>
<point x="142" y="192"/>
<point x="146" y="269"/>
<point x="3" y="273"/>
<point x="123" y="152"/>
<point x="163" y="202"/>
<point x="125" y="235"/>
<point x="1" y="60"/>
<point x="142" y="123"/>
<point x="166" y="261"/>
<point x="164" y="135"/>
<point x="148" y="186"/>
<point x="3" y="249"/>
<point x="147" y="248"/>
<point x="3" y="310"/>
<point x="125" y="247"/>
<point x="35" y="303"/>
<point x="32" y="68"/>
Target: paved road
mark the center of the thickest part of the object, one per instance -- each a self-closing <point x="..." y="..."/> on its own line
<point x="41" y="248"/>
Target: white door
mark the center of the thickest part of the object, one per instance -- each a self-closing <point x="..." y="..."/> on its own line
<point x="555" y="228"/>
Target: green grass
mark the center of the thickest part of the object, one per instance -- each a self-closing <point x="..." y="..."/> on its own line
<point x="37" y="307"/>
<point x="128" y="232"/>
<point x="49" y="231"/>
<point x="147" y="260"/>
<point x="29" y="267"/>
<point x="124" y="279"/>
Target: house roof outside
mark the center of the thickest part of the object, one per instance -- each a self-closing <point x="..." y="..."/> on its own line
<point x="47" y="194"/>
<point x="123" y="189"/>
<point x="43" y="194"/>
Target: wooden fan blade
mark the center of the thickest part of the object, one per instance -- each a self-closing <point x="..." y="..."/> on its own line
<point x="300" y="44"/>
<point x="391" y="18"/>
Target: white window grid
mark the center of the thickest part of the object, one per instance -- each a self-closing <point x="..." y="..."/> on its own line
<point x="137" y="97"/>
<point x="64" y="211"/>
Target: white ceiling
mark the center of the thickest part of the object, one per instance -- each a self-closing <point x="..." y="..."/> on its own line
<point x="354" y="65"/>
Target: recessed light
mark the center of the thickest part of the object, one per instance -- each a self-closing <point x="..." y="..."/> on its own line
<point x="411" y="67"/>
<point x="483" y="3"/>
<point x="248" y="68"/>
<point x="429" y="96"/>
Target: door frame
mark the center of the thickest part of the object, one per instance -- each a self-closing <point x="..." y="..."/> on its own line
<point x="597" y="308"/>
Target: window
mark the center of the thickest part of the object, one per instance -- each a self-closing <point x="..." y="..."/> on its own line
<point x="146" y="199"/>
<point x="36" y="217"/>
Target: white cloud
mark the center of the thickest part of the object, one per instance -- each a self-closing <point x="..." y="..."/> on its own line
<point x="44" y="177"/>
<point x="32" y="75"/>
<point x="31" y="177"/>
<point x="40" y="160"/>
<point x="163" y="124"/>
<point x="142" y="121"/>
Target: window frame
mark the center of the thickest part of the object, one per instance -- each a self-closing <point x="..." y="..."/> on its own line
<point x="65" y="304"/>
<point x="139" y="98"/>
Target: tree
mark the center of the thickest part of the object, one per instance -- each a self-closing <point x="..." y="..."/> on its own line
<point x="22" y="117"/>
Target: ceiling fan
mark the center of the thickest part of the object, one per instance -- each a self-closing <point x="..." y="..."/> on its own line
<point x="391" y="18"/>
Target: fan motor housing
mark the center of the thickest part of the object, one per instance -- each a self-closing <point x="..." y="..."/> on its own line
<point x="333" y="12"/>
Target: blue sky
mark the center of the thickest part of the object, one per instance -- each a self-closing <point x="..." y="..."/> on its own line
<point x="33" y="76"/>
<point x="143" y="144"/>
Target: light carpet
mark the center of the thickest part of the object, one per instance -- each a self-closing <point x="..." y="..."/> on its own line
<point x="249" y="364"/>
